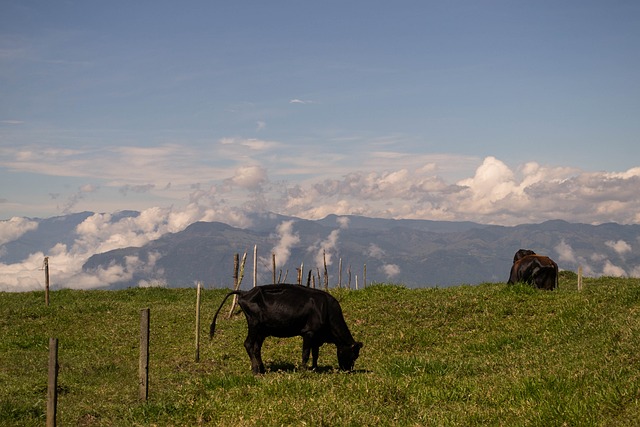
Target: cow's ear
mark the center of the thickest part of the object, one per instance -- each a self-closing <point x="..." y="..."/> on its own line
<point x="358" y="345"/>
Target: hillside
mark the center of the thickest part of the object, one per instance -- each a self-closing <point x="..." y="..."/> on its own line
<point x="416" y="253"/>
<point x="466" y="355"/>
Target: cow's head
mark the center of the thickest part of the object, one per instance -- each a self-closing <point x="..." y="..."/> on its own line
<point x="348" y="354"/>
<point x="522" y="253"/>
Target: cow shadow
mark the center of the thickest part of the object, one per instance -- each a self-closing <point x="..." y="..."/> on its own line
<point x="290" y="367"/>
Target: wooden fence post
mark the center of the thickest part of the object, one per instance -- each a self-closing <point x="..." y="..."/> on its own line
<point x="143" y="367"/>
<point x="237" y="280"/>
<point x="340" y="273"/>
<point x="326" y="274"/>
<point x="255" y="265"/>
<point x="580" y="278"/>
<point x="241" y="273"/>
<point x="46" y="281"/>
<point x="236" y="268"/>
<point x="364" y="279"/>
<point x="273" y="263"/>
<point x="52" y="389"/>
<point x="198" y="323"/>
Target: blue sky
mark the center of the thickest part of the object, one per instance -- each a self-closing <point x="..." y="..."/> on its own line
<point x="491" y="111"/>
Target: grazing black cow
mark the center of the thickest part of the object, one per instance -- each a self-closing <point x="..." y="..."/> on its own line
<point x="533" y="269"/>
<point x="284" y="310"/>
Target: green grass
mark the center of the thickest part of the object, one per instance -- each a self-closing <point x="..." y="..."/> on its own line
<point x="481" y="355"/>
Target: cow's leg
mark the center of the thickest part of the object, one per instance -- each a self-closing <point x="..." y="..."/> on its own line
<point x="315" y="350"/>
<point x="306" y="351"/>
<point x="253" y="345"/>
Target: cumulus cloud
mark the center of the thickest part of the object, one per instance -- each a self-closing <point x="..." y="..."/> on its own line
<point x="24" y="276"/>
<point x="375" y="251"/>
<point x="325" y="249"/>
<point x="596" y="263"/>
<point x="117" y="272"/>
<point x="343" y="222"/>
<point x="390" y="270"/>
<point x="287" y="238"/>
<point x="492" y="182"/>
<point x="299" y="181"/>
<point x="565" y="252"/>
<point x="224" y="178"/>
<point x="249" y="177"/>
<point x="568" y="257"/>
<point x="15" y="227"/>
<point x="635" y="271"/>
<point x="620" y="247"/>
<point x="99" y="233"/>
<point x="494" y="194"/>
<point x="612" y="270"/>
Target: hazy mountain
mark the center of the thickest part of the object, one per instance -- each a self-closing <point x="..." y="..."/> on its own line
<point x="412" y="252"/>
<point x="415" y="253"/>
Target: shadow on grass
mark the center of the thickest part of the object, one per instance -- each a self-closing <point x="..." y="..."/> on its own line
<point x="290" y="367"/>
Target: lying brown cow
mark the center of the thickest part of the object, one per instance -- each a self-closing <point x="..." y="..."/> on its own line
<point x="533" y="269"/>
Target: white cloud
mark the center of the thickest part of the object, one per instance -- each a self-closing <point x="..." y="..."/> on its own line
<point x="375" y="251"/>
<point x="565" y="252"/>
<point x="390" y="270"/>
<point x="495" y="194"/>
<point x="300" y="181"/>
<point x="233" y="175"/>
<point x="15" y="227"/>
<point x="343" y="222"/>
<point x="620" y="247"/>
<point x="241" y="145"/>
<point x="492" y="182"/>
<point x="568" y="257"/>
<point x="324" y="249"/>
<point x="287" y="238"/>
<point x="118" y="166"/>
<point x="249" y="177"/>
<point x="613" y="270"/>
<point x="101" y="233"/>
<point x="520" y="196"/>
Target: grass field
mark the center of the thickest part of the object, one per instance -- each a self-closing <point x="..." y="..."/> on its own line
<point x="481" y="355"/>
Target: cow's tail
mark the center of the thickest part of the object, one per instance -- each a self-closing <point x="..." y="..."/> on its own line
<point x="212" y="328"/>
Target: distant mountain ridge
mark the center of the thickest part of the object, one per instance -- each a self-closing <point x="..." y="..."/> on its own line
<point x="415" y="253"/>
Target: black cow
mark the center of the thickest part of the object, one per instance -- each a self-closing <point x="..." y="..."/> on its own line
<point x="284" y="310"/>
<point x="533" y="269"/>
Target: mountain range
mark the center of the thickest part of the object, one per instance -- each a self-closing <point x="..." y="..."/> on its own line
<point x="416" y="253"/>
